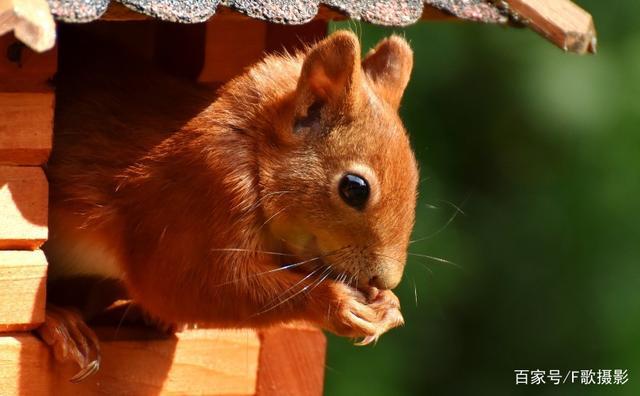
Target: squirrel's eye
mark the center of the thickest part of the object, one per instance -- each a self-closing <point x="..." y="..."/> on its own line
<point x="354" y="190"/>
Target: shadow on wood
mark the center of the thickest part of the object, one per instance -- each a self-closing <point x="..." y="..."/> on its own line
<point x="137" y="361"/>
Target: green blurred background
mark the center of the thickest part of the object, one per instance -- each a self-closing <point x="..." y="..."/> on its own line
<point x="541" y="151"/>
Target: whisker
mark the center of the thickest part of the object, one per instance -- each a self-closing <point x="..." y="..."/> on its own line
<point x="415" y="290"/>
<point x="272" y="217"/>
<point x="327" y="270"/>
<point x="456" y="207"/>
<point x="434" y="258"/>
<point x="439" y="230"/>
<point x="427" y="268"/>
<point x="353" y="278"/>
<point x="282" y="268"/>
<point x="261" y="200"/>
<point x="121" y="321"/>
<point x="458" y="210"/>
<point x="290" y="288"/>
<point x="285" y="267"/>
<point x="320" y="281"/>
<point x="288" y="266"/>
<point x="252" y="251"/>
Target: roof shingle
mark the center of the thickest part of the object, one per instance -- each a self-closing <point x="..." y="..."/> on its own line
<point x="292" y="12"/>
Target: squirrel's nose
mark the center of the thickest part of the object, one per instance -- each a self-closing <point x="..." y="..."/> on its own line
<point x="378" y="282"/>
<point x="386" y="279"/>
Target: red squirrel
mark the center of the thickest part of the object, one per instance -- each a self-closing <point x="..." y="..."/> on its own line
<point x="287" y="195"/>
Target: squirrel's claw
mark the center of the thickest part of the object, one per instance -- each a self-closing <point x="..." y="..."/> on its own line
<point x="70" y="338"/>
<point x="367" y="340"/>
<point x="86" y="372"/>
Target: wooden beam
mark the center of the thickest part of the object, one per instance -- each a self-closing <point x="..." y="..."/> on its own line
<point x="561" y="21"/>
<point x="291" y="361"/>
<point x="26" y="128"/>
<point x="23" y="208"/>
<point x="24" y="70"/>
<point x="22" y="289"/>
<point x="212" y="362"/>
<point x="26" y="103"/>
<point x="204" y="361"/>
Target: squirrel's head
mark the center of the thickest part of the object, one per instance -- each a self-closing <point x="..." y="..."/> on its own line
<point x="340" y="178"/>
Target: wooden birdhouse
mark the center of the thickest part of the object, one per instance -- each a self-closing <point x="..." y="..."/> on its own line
<point x="208" y="41"/>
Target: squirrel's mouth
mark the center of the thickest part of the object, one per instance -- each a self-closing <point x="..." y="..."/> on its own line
<point x="315" y="271"/>
<point x="304" y="254"/>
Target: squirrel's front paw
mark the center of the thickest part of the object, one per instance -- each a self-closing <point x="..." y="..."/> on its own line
<point x="70" y="338"/>
<point x="353" y="314"/>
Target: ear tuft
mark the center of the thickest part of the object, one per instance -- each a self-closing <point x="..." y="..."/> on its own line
<point x="388" y="66"/>
<point x="330" y="69"/>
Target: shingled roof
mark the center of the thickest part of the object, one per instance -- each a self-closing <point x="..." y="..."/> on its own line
<point x="561" y="21"/>
<point x="390" y="13"/>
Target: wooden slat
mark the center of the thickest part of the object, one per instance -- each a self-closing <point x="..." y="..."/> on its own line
<point x="24" y="365"/>
<point x="279" y="361"/>
<point x="26" y="103"/>
<point x="22" y="289"/>
<point x="561" y="21"/>
<point x="24" y="70"/>
<point x="211" y="362"/>
<point x="291" y="362"/>
<point x="26" y="128"/>
<point x="23" y="208"/>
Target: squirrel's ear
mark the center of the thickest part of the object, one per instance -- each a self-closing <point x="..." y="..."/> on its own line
<point x="329" y="71"/>
<point x="389" y="66"/>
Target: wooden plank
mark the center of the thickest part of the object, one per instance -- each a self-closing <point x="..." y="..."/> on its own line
<point x="26" y="128"/>
<point x="212" y="362"/>
<point x="22" y="289"/>
<point x="231" y="46"/>
<point x="561" y="21"/>
<point x="291" y="362"/>
<point x="24" y="365"/>
<point x="24" y="70"/>
<point x="23" y="208"/>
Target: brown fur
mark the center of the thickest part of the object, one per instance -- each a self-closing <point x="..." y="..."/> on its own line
<point x="163" y="177"/>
